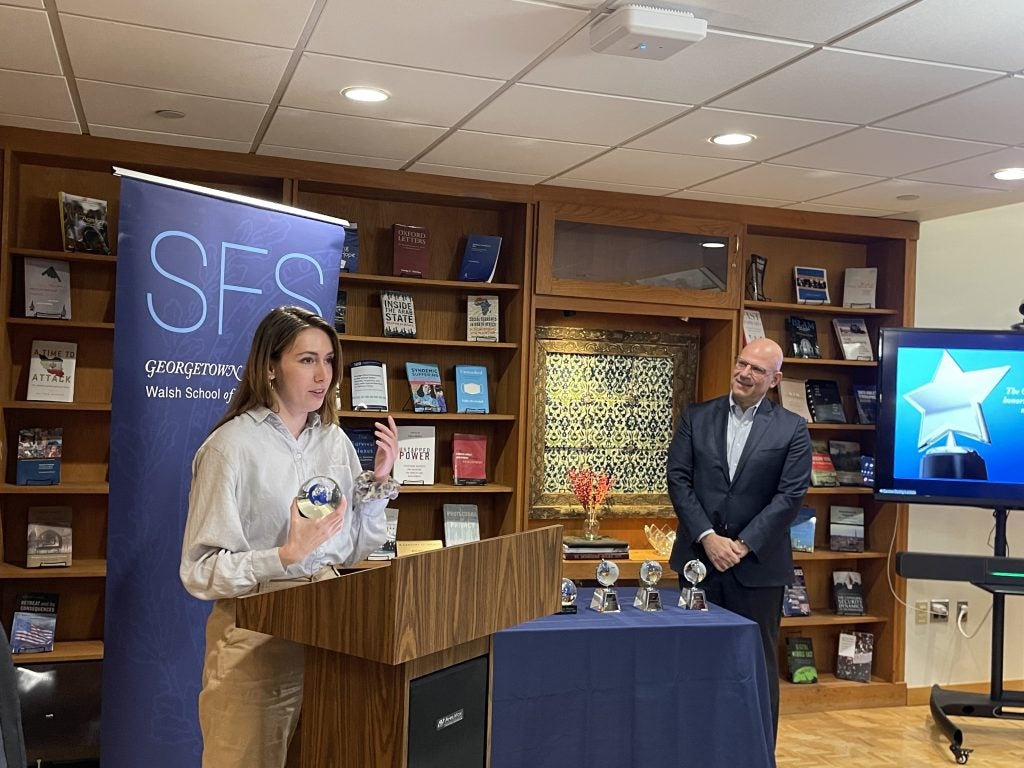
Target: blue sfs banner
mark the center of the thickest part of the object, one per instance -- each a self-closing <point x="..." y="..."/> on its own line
<point x="195" y="274"/>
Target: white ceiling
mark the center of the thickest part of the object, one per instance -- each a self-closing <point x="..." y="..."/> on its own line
<point x="899" y="108"/>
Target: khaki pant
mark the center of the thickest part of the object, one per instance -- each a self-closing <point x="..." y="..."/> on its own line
<point x="252" y="691"/>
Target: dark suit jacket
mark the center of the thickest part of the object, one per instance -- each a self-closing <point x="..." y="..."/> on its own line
<point x="760" y="503"/>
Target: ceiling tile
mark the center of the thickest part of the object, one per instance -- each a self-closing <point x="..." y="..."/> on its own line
<point x="173" y="139"/>
<point x="653" y="169"/>
<point x="488" y="151"/>
<point x="850" y="87"/>
<point x="338" y="158"/>
<point x="883" y="195"/>
<point x="361" y="136"/>
<point x="690" y="133"/>
<point x="714" y="197"/>
<point x="843" y="209"/>
<point x="173" y="61"/>
<point x="39" y="124"/>
<point x="414" y="92"/>
<point x="476" y="173"/>
<point x="31" y="48"/>
<point x="609" y="186"/>
<point x="992" y="112"/>
<point x="783" y="182"/>
<point x="268" y="22"/>
<point x="881" y="152"/>
<point x="972" y="34"/>
<point x="719" y="62"/>
<point x="489" y="38"/>
<point x="126" y="106"/>
<point x="586" y="118"/>
<point x="811" y="20"/>
<point x="977" y="171"/>
<point x="25" y="3"/>
<point x="32" y="95"/>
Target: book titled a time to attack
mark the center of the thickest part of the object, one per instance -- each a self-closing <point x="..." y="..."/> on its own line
<point x="51" y="371"/>
<point x="411" y="250"/>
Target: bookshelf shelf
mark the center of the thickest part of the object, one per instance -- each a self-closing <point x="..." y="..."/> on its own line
<point x="822" y="618"/>
<point x="405" y="283"/>
<point x="821" y="309"/>
<point x="41" y="405"/>
<point x="422" y="343"/>
<point x="451" y="488"/>
<point x="79" y="569"/>
<point x="410" y="416"/>
<point x="44" y="253"/>
<point x="63" y="489"/>
<point x="44" y="323"/>
<point x="68" y="650"/>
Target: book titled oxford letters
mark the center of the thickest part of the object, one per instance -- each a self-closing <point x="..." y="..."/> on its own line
<point x="482" y="322"/>
<point x="47" y="289"/>
<point x="412" y="250"/>
<point x="51" y="371"/>
<point x="417" y="449"/>
<point x="49" y="537"/>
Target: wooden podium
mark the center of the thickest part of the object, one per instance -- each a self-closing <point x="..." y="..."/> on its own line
<point x="370" y="632"/>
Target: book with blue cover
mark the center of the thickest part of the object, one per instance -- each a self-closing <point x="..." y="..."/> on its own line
<point x="480" y="259"/>
<point x="471" y="393"/>
<point x="35" y="623"/>
<point x="365" y="442"/>
<point x="350" y="249"/>
<point x="426" y="389"/>
<point x="801" y="532"/>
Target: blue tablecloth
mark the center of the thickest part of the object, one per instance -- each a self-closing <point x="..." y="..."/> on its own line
<point x="672" y="688"/>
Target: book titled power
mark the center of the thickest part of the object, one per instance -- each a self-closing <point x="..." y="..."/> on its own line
<point x="412" y="250"/>
<point x="35" y="623"/>
<point x="417" y="449"/>
<point x="51" y="371"/>
<point x="469" y="458"/>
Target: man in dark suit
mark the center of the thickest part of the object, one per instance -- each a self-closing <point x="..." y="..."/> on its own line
<point x="738" y="468"/>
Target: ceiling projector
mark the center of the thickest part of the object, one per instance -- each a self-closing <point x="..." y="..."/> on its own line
<point x="646" y="32"/>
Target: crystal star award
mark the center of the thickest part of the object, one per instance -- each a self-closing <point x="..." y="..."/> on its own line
<point x="647" y="596"/>
<point x="605" y="599"/>
<point x="692" y="598"/>
<point x="318" y="497"/>
<point x="950" y="404"/>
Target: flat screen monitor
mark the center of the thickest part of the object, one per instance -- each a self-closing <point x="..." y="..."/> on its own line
<point x="951" y="417"/>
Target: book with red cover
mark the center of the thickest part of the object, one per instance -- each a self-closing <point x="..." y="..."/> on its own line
<point x="412" y="250"/>
<point x="469" y="459"/>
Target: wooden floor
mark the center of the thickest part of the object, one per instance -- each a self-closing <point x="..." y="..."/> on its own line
<point x="898" y="736"/>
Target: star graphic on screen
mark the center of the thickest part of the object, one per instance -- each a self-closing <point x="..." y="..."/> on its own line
<point x="951" y="401"/>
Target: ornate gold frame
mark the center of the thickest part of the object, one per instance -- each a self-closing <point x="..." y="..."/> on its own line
<point x="667" y="361"/>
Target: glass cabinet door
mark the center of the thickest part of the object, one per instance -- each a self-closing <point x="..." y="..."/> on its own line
<point x="590" y="252"/>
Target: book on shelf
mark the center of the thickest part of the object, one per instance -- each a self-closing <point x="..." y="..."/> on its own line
<point x="461" y="524"/>
<point x="35" y="622"/>
<point x="823" y="471"/>
<point x="753" y="328"/>
<point x="846" y="459"/>
<point x="793" y="396"/>
<point x="801" y="530"/>
<point x="601" y="548"/>
<point x="339" y="311"/>
<point x="469" y="459"/>
<point x="803" y="337"/>
<point x="824" y="401"/>
<point x="795" y="600"/>
<point x="848" y="593"/>
<point x="389" y="548"/>
<point x="480" y="258"/>
<point x="399" y="314"/>
<point x="364" y="440"/>
<point x="51" y="371"/>
<point x="595" y="555"/>
<point x="865" y="397"/>
<point x="415" y="546"/>
<point x="83" y="223"/>
<point x="369" y="380"/>
<point x="426" y="389"/>
<point x="417" y="450"/>
<point x="846" y="528"/>
<point x="811" y="285"/>
<point x="800" y="660"/>
<point x="854" y="340"/>
<point x="350" y="249"/>
<point x="854" y="656"/>
<point x="47" y="289"/>
<point x="411" y="250"/>
<point x="482" y="317"/>
<point x="471" y="392"/>
<point x="39" y="455"/>
<point x="49" y="541"/>
<point x="859" y="287"/>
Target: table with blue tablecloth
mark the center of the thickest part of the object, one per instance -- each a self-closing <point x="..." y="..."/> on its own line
<point x="669" y="688"/>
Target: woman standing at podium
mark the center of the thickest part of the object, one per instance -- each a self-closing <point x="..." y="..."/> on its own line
<point x="244" y="533"/>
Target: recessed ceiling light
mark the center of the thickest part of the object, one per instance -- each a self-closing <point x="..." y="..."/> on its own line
<point x="908" y="197"/>
<point x="365" y="93"/>
<point x="170" y="114"/>
<point x="732" y="139"/>
<point x="1009" y="174"/>
<point x="713" y="245"/>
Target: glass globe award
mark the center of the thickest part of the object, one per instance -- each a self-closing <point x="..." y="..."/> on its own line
<point x="605" y="599"/>
<point x="568" y="596"/>
<point x="318" y="497"/>
<point x="647" y="596"/>
<point x="690" y="597"/>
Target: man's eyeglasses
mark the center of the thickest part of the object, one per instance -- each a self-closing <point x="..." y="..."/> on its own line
<point x="755" y="370"/>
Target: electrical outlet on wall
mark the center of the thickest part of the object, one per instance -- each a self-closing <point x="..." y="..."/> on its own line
<point x="938" y="611"/>
<point x="961" y="611"/>
<point x="921" y="612"/>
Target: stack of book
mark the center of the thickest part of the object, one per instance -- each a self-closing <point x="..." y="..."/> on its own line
<point x="603" y="548"/>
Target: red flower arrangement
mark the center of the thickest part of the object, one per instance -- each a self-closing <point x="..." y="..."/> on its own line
<point x="591" y="487"/>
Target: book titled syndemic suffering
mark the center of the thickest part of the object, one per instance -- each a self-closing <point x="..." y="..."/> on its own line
<point x="84" y="223"/>
<point x="482" y="317"/>
<point x="411" y="250"/>
<point x="35" y="622"/>
<point x="51" y="371"/>
<point x="425" y="387"/>
<point x="398" y="313"/>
